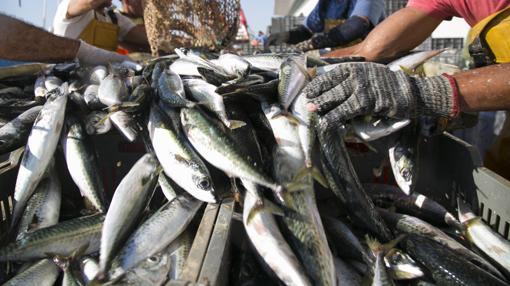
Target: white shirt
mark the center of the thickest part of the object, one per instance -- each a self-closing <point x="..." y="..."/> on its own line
<point x="73" y="27"/>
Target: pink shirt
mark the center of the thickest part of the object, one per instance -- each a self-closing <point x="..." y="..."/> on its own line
<point x="473" y="11"/>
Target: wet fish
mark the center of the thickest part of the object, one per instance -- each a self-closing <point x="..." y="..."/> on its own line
<point x="91" y="98"/>
<point x="345" y="274"/>
<point x="306" y="121"/>
<point x="158" y="231"/>
<point x="371" y="129"/>
<point x="266" y="62"/>
<point x="89" y="268"/>
<point x="293" y="77"/>
<point x="486" y="239"/>
<point x="171" y="90"/>
<point x="112" y="89"/>
<point x="178" y="159"/>
<point x="43" y="207"/>
<point x="95" y="125"/>
<point x="81" y="163"/>
<point x="42" y="273"/>
<point x="342" y="179"/>
<point x="410" y="224"/>
<point x="269" y="242"/>
<point x="380" y="274"/>
<point x="52" y="82"/>
<point x="412" y="61"/>
<point x="233" y="65"/>
<point x="126" y="124"/>
<point x="128" y="201"/>
<point x="205" y="93"/>
<point x="40" y="90"/>
<point x="41" y="145"/>
<point x="219" y="150"/>
<point x="347" y="244"/>
<point x="15" y="133"/>
<point x="179" y="250"/>
<point x="446" y="267"/>
<point x="97" y="74"/>
<point x="415" y="204"/>
<point x="62" y="238"/>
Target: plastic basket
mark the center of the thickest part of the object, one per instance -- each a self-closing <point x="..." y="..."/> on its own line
<point x="206" y="24"/>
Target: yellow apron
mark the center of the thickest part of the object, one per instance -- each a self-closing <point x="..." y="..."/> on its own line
<point x="489" y="43"/>
<point x="489" y="40"/>
<point x="101" y="34"/>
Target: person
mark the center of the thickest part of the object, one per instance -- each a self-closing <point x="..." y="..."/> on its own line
<point x="24" y="42"/>
<point x="133" y="9"/>
<point x="341" y="22"/>
<point x="354" y="89"/>
<point x="262" y="39"/>
<point x="95" y="23"/>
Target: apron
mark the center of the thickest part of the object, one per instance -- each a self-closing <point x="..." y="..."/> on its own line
<point x="489" y="43"/>
<point x="102" y="34"/>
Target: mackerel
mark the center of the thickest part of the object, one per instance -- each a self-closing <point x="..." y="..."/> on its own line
<point x="128" y="201"/>
<point x="293" y="77"/>
<point x="81" y="163"/>
<point x="15" y="133"/>
<point x="63" y="239"/>
<point x="178" y="159"/>
<point x="42" y="273"/>
<point x="42" y="143"/>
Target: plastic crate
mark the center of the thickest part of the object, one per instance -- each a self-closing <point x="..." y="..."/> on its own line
<point x="447" y="168"/>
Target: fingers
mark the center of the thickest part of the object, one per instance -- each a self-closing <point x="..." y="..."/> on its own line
<point x="349" y="109"/>
<point x="327" y="81"/>
<point x="333" y="97"/>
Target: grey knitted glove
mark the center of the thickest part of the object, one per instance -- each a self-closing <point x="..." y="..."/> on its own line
<point x="354" y="89"/>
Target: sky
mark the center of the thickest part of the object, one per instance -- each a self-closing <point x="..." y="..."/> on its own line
<point x="258" y="12"/>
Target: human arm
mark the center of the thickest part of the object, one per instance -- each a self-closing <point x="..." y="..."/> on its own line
<point x="355" y="89"/>
<point x="80" y="7"/>
<point x="24" y="42"/>
<point x="402" y="31"/>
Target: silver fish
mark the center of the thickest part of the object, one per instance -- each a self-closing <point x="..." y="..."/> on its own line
<point x="233" y="65"/>
<point x="40" y="90"/>
<point x="293" y="77"/>
<point x="90" y="95"/>
<point x="52" y="82"/>
<point x="126" y="124"/>
<point x="42" y="273"/>
<point x="15" y="133"/>
<point x="41" y="145"/>
<point x="179" y="250"/>
<point x="97" y="74"/>
<point x="81" y="163"/>
<point x="205" y="93"/>
<point x="267" y="62"/>
<point x="128" y="201"/>
<point x="269" y="241"/>
<point x="371" y="129"/>
<point x="171" y="90"/>
<point x="95" y="125"/>
<point x="112" y="89"/>
<point x="178" y="159"/>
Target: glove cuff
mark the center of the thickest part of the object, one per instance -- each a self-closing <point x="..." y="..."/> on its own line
<point x="299" y="34"/>
<point x="436" y="96"/>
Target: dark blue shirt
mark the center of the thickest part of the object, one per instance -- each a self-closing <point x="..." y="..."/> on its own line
<point x="344" y="9"/>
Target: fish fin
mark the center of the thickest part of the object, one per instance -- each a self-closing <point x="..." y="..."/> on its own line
<point x="408" y="70"/>
<point x="104" y="119"/>
<point x="234" y="124"/>
<point x="465" y="212"/>
<point x="319" y="177"/>
<point x="63" y="261"/>
<point x="295" y="186"/>
<point x="312" y="72"/>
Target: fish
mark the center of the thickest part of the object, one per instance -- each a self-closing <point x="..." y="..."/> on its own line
<point x="129" y="199"/>
<point x="178" y="159"/>
<point x="219" y="150"/>
<point x="43" y="207"/>
<point x="179" y="250"/>
<point x="293" y="77"/>
<point x="266" y="62"/>
<point x="41" y="144"/>
<point x="205" y="93"/>
<point x="126" y="124"/>
<point x="269" y="242"/>
<point x="157" y="232"/>
<point x="445" y="266"/>
<point x="90" y="96"/>
<point x="371" y="129"/>
<point x="112" y="89"/>
<point x="81" y="163"/>
<point x="98" y="74"/>
<point x="40" y="89"/>
<point x="305" y="229"/>
<point x="166" y="186"/>
<point x="89" y="268"/>
<point x="412" y="61"/>
<point x="97" y="122"/>
<point x="415" y="204"/>
<point x="15" y="133"/>
<point x="171" y="90"/>
<point x="233" y="65"/>
<point x="379" y="271"/>
<point x="159" y="67"/>
<point x="410" y="224"/>
<point x="484" y="237"/>
<point x="401" y="266"/>
<point x="345" y="274"/>
<point x="185" y="67"/>
<point x="342" y="179"/>
<point x="347" y="244"/>
<point x="52" y="82"/>
<point x="44" y="272"/>
<point x="63" y="239"/>
<point x="306" y="121"/>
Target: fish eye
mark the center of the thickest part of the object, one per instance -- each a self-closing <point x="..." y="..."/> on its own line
<point x="153" y="259"/>
<point x="204" y="184"/>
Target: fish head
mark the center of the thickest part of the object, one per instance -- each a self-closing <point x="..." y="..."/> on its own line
<point x="205" y="185"/>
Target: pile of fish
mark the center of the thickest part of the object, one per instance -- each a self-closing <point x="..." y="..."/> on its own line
<point x="208" y="124"/>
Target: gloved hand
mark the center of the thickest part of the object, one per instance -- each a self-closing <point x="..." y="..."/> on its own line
<point x="294" y="36"/>
<point x="316" y="42"/>
<point x="354" y="89"/>
<point x="93" y="56"/>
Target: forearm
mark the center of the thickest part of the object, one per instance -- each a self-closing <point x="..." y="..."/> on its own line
<point x="79" y="7"/>
<point x="402" y="31"/>
<point x="354" y="28"/>
<point x="485" y="88"/>
<point x="24" y="42"/>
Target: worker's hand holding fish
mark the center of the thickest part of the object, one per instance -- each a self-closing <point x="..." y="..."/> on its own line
<point x="354" y="89"/>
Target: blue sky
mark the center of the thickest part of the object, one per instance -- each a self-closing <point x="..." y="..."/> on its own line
<point x="258" y="12"/>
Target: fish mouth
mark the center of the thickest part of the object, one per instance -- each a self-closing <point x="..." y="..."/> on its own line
<point x="205" y="196"/>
